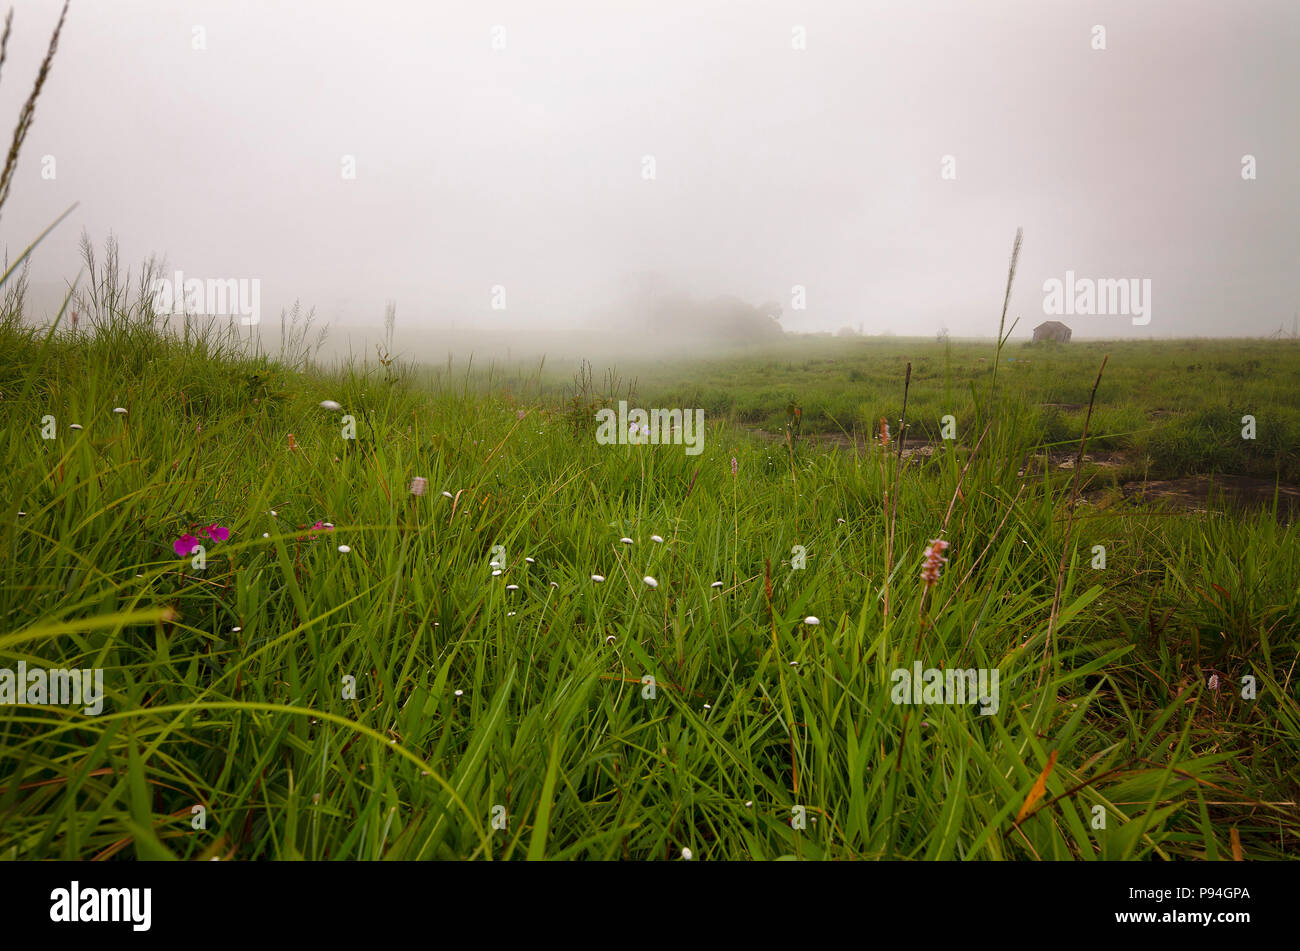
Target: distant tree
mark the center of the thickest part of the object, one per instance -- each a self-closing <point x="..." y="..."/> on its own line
<point x="722" y="318"/>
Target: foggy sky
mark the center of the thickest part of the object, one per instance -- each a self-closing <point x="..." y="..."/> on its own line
<point x="775" y="166"/>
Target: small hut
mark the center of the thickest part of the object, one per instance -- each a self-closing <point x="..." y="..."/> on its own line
<point x="1052" y="330"/>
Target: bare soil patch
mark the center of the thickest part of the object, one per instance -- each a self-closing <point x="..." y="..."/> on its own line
<point x="1200" y="493"/>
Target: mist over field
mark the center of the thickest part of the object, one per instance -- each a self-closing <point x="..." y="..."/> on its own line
<point x="645" y="432"/>
<point x="584" y="178"/>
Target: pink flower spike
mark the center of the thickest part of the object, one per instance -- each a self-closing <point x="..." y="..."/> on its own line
<point x="934" y="560"/>
<point x="185" y="545"/>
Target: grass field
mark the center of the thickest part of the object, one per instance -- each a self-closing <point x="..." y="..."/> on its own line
<point x="347" y="674"/>
<point x="399" y="610"/>
<point x="1168" y="408"/>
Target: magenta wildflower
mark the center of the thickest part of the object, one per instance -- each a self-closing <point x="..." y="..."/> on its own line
<point x="934" y="560"/>
<point x="321" y="527"/>
<point x="216" y="532"/>
<point x="187" y="543"/>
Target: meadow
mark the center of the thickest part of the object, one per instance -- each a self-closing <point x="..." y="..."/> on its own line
<point x="358" y="665"/>
<point x="1169" y="408"/>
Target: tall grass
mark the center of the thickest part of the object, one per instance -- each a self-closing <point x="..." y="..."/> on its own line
<point x="226" y="685"/>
